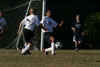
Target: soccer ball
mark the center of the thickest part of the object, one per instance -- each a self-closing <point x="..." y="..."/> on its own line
<point x="58" y="45"/>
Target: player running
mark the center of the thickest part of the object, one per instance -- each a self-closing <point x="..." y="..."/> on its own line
<point x="2" y="24"/>
<point x="49" y="24"/>
<point x="30" y="22"/>
<point x="77" y="28"/>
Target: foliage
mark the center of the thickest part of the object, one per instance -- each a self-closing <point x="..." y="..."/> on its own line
<point x="92" y="29"/>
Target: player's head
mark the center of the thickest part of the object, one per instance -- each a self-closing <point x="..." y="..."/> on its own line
<point x="78" y="17"/>
<point x="32" y="10"/>
<point x="48" y="13"/>
<point x="0" y="13"/>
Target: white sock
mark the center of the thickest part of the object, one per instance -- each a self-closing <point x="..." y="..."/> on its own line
<point x="48" y="49"/>
<point x="25" y="49"/>
<point x="53" y="48"/>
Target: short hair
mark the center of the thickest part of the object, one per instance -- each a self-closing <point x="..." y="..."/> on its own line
<point x="77" y="15"/>
<point x="48" y="11"/>
<point x="34" y="10"/>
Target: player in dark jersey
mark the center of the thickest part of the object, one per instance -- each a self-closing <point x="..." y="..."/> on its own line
<point x="77" y="28"/>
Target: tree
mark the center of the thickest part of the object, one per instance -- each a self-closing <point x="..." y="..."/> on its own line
<point x="92" y="30"/>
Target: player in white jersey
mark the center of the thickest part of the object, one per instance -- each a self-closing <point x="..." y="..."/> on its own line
<point x="2" y="24"/>
<point x="49" y="24"/>
<point x="29" y="23"/>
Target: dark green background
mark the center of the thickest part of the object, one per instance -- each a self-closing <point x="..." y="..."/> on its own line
<point x="65" y="10"/>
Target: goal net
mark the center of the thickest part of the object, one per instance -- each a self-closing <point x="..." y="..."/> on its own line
<point x="14" y="11"/>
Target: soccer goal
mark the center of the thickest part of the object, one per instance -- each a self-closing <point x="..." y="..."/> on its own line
<point x="14" y="11"/>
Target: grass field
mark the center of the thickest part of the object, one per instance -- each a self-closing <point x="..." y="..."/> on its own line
<point x="63" y="58"/>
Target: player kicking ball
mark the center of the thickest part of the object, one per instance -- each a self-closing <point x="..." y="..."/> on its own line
<point x="49" y="24"/>
<point x="2" y="24"/>
<point x="77" y="28"/>
<point x="30" y="22"/>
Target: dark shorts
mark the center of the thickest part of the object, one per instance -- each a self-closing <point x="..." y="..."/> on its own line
<point x="28" y="35"/>
<point x="77" y="37"/>
<point x="47" y="36"/>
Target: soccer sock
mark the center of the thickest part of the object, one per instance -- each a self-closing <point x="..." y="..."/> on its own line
<point x="25" y="49"/>
<point x="53" y="48"/>
<point x="48" y="49"/>
<point x="76" y="46"/>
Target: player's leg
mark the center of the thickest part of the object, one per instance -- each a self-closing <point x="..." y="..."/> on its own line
<point x="26" y="43"/>
<point x="75" y="40"/>
<point x="52" y="48"/>
<point x="24" y="51"/>
<point x="31" y="37"/>
<point x="47" y="50"/>
<point x="27" y="34"/>
<point x="76" y="46"/>
<point x="80" y="40"/>
<point x="52" y="39"/>
<point x="27" y="52"/>
<point x="47" y="39"/>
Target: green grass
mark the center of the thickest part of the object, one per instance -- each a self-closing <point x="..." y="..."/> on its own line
<point x="63" y="58"/>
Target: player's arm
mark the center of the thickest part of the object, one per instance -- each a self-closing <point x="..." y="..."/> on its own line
<point x="55" y="24"/>
<point x="42" y="23"/>
<point x="73" y="27"/>
<point x="1" y="32"/>
<point x="62" y="22"/>
<point x="19" y="29"/>
<point x="43" y="27"/>
<point x="39" y="24"/>
<point x="20" y="26"/>
<point x="82" y="33"/>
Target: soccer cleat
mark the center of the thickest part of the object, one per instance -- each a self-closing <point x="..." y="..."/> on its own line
<point x="23" y="53"/>
<point x="46" y="53"/>
<point x="76" y="49"/>
<point x="27" y="52"/>
<point x="54" y="54"/>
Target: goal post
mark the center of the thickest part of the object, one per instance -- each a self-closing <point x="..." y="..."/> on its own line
<point x="42" y="31"/>
<point x="14" y="11"/>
